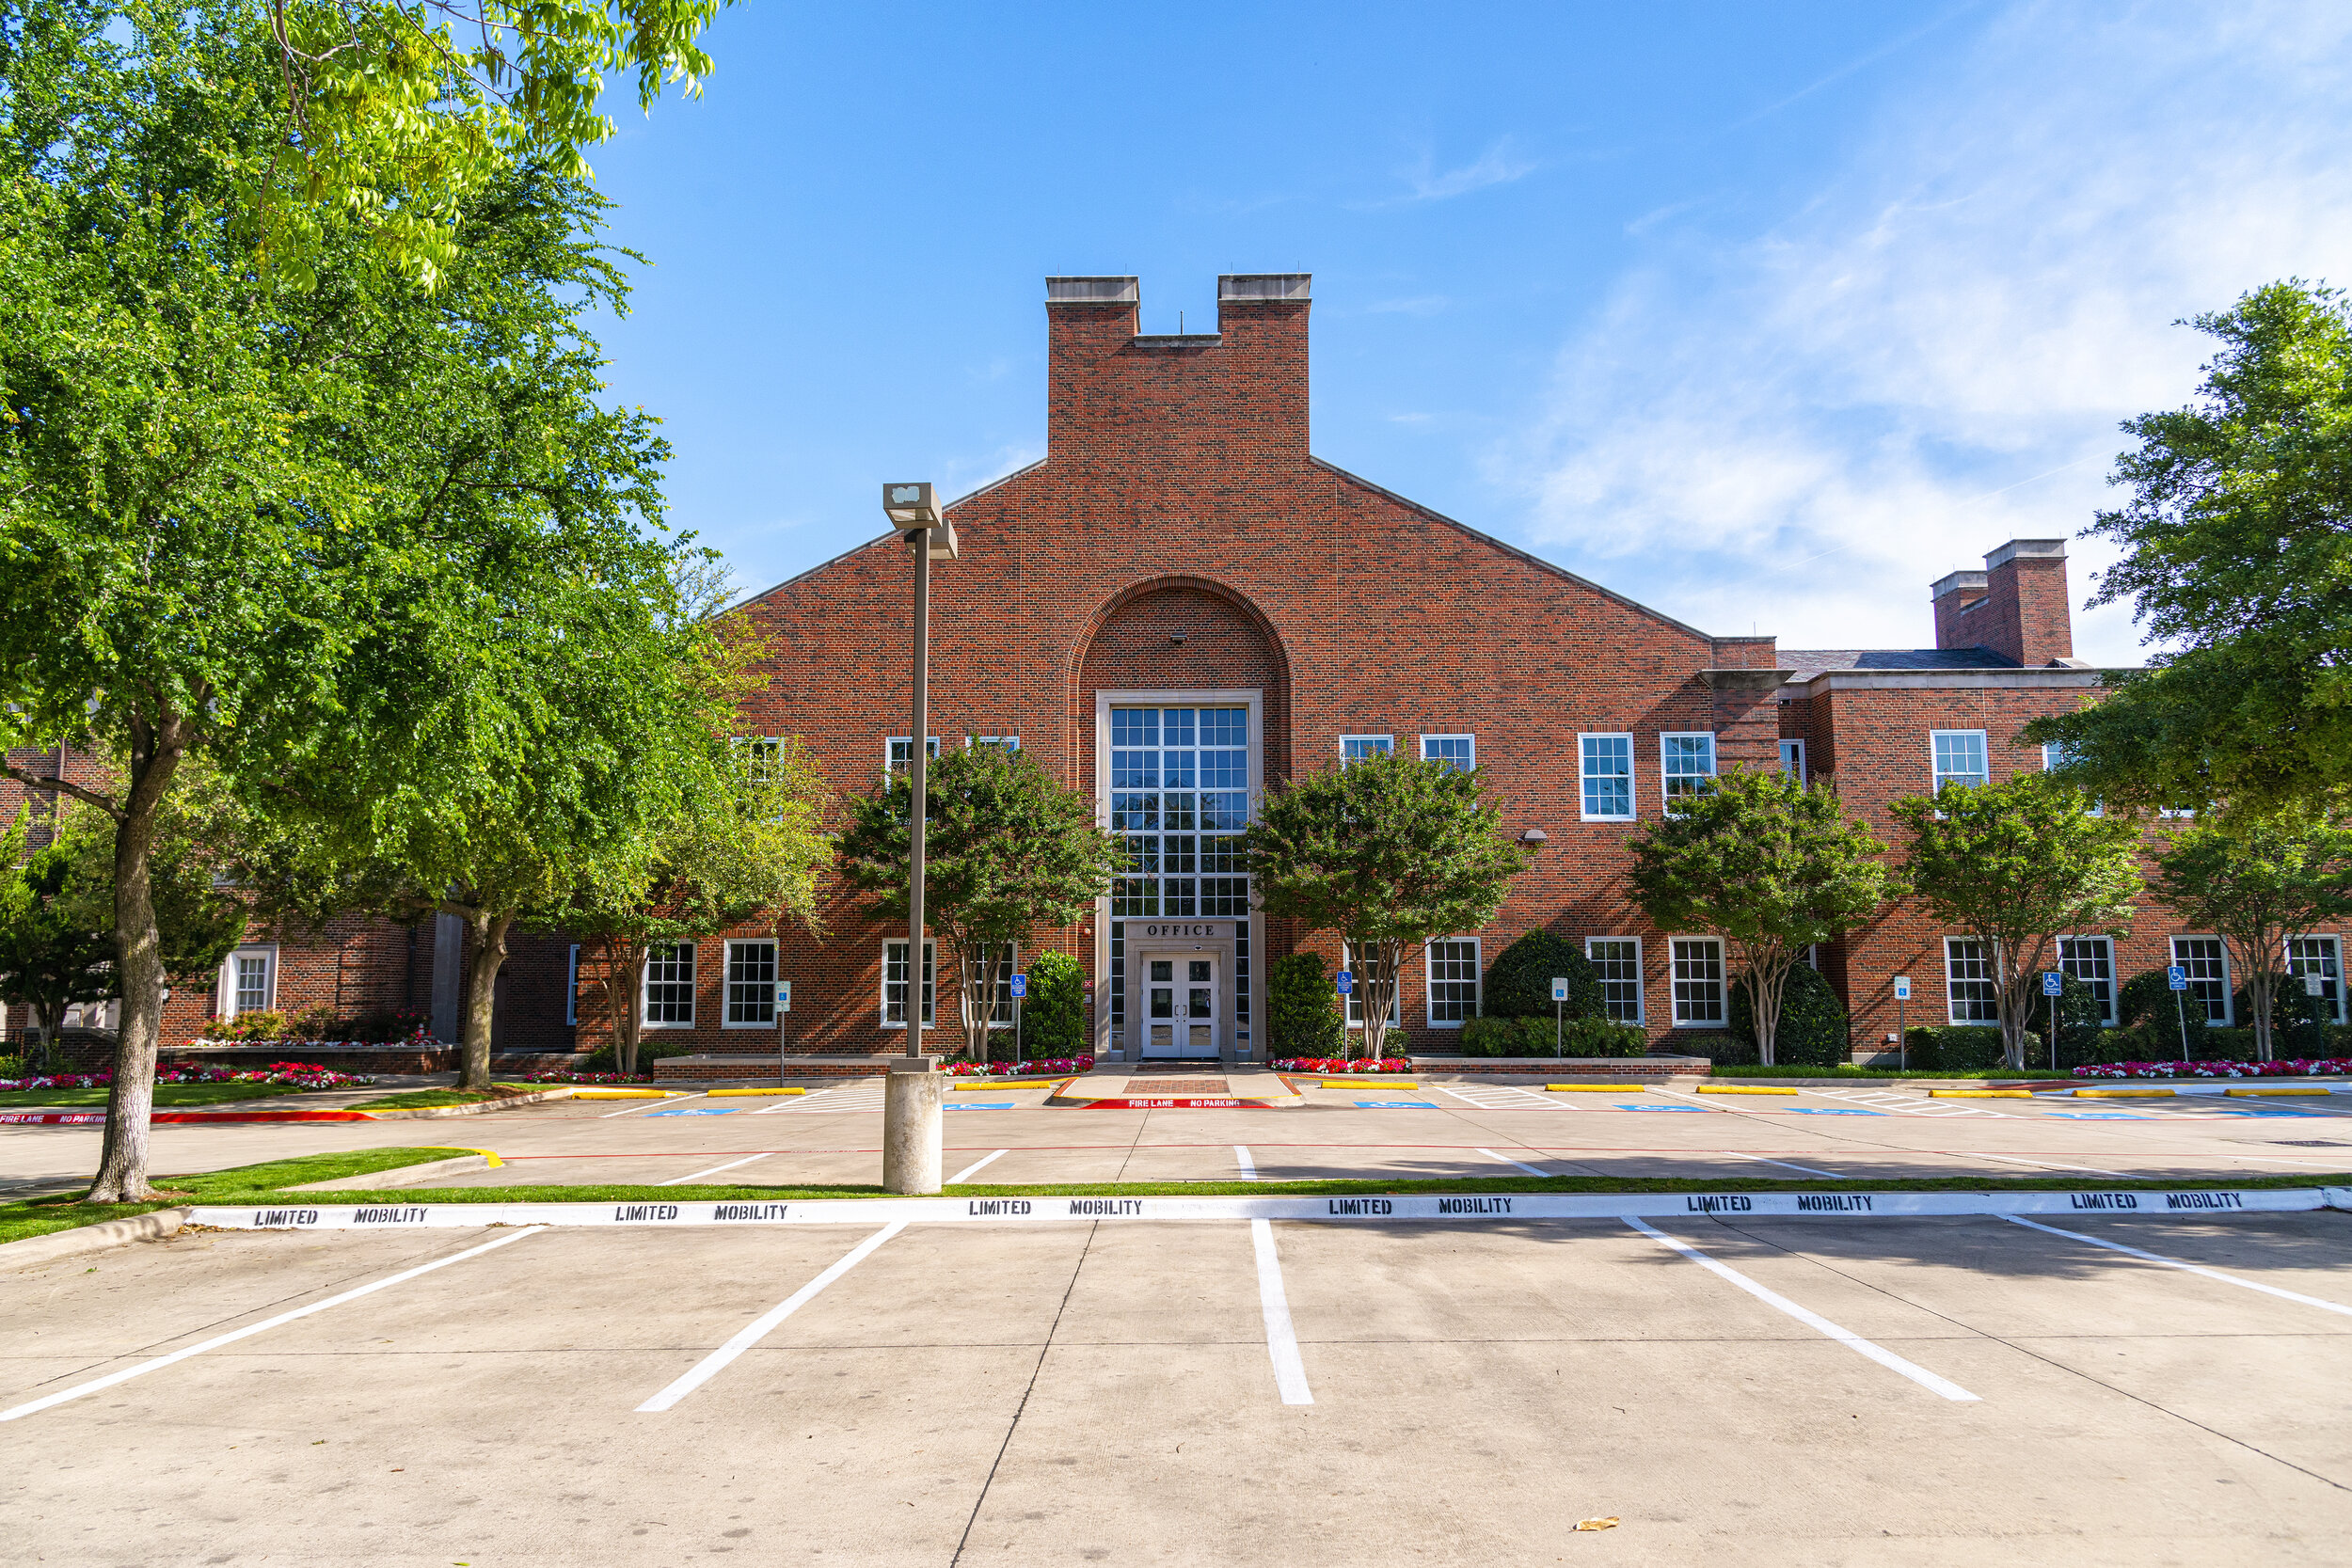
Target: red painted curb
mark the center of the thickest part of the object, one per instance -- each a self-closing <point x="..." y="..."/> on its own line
<point x="84" y="1119"/>
<point x="1174" y="1105"/>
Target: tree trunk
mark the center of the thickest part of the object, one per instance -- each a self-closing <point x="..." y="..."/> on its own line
<point x="627" y="960"/>
<point x="2261" y="986"/>
<point x="1766" y="985"/>
<point x="480" y="997"/>
<point x="121" y="1177"/>
<point x="1381" y="961"/>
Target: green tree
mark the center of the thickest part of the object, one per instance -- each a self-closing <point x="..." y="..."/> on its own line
<point x="1389" y="852"/>
<point x="750" y="844"/>
<point x="1813" y="1029"/>
<point x="1519" y="982"/>
<point x="2015" y="865"/>
<point x="2237" y="557"/>
<point x="2268" y="881"/>
<point x="1768" y="864"/>
<point x="1007" y="849"/>
<point x="1303" y="1016"/>
<point x="1053" y="1019"/>
<point x="313" y="534"/>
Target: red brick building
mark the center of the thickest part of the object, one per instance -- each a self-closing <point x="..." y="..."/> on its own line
<point x="1180" y="604"/>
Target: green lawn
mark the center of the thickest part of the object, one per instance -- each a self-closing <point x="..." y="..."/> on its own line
<point x="238" y="1184"/>
<point x="1859" y="1074"/>
<point x="419" y="1100"/>
<point x="166" y="1095"/>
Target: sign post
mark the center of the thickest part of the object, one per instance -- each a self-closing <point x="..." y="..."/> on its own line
<point x="2052" y="982"/>
<point x="1346" y="982"/>
<point x="2177" y="977"/>
<point x="1902" y="1035"/>
<point x="784" y="1006"/>
<point x="1020" y="989"/>
<point x="1559" y="1014"/>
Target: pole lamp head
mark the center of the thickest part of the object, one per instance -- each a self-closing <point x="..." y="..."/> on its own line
<point x="913" y="508"/>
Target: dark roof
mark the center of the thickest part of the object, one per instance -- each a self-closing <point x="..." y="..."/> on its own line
<point x="1809" y="663"/>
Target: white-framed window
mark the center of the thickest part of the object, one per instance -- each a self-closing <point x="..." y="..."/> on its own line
<point x="1354" y="747"/>
<point x="1460" y="751"/>
<point x="1453" y="982"/>
<point x="899" y="751"/>
<point x="1957" y="756"/>
<point x="2317" y="956"/>
<point x="248" y="981"/>
<point x="1179" y="801"/>
<point x="1698" y="982"/>
<point x="750" y="986"/>
<point x="1793" y="759"/>
<point x="1000" y="981"/>
<point x="669" y="996"/>
<point x="2092" y="960"/>
<point x="2054" y="757"/>
<point x="2207" y="960"/>
<point x="760" y="753"/>
<point x="1617" y="961"/>
<point x="1356" y="997"/>
<point x="1972" y="993"/>
<point x="1608" y="773"/>
<point x="1686" y="761"/>
<point x="894" y="982"/>
<point x="571" y="985"/>
<point x="1001" y="742"/>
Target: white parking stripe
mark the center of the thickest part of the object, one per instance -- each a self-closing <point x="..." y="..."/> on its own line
<point x="2192" y="1268"/>
<point x="1812" y="1320"/>
<point x="761" y="1326"/>
<point x="2043" y="1164"/>
<point x="1508" y="1161"/>
<point x="714" y="1170"/>
<point x="651" y="1105"/>
<point x="1281" y="1343"/>
<point x="1249" y="1166"/>
<point x="1784" y="1164"/>
<point x="966" y="1173"/>
<point x="111" y="1379"/>
<point x="1503" y="1096"/>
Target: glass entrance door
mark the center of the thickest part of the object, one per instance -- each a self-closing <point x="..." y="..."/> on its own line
<point x="1180" y="1006"/>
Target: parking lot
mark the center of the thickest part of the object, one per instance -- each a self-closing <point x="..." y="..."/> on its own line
<point x="1784" y="1390"/>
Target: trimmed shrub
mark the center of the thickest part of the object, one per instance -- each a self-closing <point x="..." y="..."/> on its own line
<point x="1543" y="1037"/>
<point x="1519" y="982"/>
<point x="1054" y="1015"/>
<point x="1813" y="1025"/>
<point x="1954" y="1047"/>
<point x="1487" y="1036"/>
<point x="2299" y="1024"/>
<point x="1302" y="1009"/>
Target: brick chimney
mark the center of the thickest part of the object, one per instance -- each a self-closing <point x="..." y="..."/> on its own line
<point x="2016" y="606"/>
<point x="1233" y="398"/>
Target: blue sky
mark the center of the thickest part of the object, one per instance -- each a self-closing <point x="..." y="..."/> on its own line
<point x="1764" y="314"/>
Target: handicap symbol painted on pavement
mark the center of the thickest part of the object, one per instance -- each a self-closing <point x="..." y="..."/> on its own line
<point x="1831" y="1111"/>
<point x="697" y="1111"/>
<point x="1396" y="1105"/>
<point x="977" y="1105"/>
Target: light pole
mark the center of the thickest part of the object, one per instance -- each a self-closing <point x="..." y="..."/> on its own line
<point x="910" y="1105"/>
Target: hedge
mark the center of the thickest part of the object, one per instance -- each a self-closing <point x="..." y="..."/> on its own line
<point x="1543" y="1036"/>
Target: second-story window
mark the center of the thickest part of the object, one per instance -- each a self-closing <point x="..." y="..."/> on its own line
<point x="1686" y="761"/>
<point x="1959" y="758"/>
<point x="1458" y="751"/>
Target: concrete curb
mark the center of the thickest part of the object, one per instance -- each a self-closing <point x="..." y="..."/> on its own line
<point x="92" y="1238"/>
<point x="479" y="1107"/>
<point x="401" y="1176"/>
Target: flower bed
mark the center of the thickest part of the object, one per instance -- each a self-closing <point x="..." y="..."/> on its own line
<point x="308" y="1075"/>
<point x="581" y="1078"/>
<point x="1049" y="1066"/>
<point x="2331" y="1067"/>
<point x="1338" y="1065"/>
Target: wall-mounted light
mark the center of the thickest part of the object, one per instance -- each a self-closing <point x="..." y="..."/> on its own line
<point x="1179" y="636"/>
<point x="1534" y="838"/>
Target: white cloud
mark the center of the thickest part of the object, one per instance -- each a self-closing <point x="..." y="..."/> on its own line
<point x="1425" y="181"/>
<point x="1932" y="356"/>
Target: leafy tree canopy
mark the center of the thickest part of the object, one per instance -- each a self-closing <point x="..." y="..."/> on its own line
<point x="2238" y="559"/>
<point x="2270" y="879"/>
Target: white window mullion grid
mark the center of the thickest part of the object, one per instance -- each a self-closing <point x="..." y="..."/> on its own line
<point x="1460" y="751"/>
<point x="1698" y="981"/>
<point x="1957" y="756"/>
<point x="999" y="980"/>
<point x="1605" y="769"/>
<point x="1355" y="746"/>
<point x="1686" y="761"/>
<point x="667" y="999"/>
<point x="2207" y="960"/>
<point x="894" y="983"/>
<point x="1617" y="963"/>
<point x="1971" y="990"/>
<point x="248" y="981"/>
<point x="1451" y="982"/>
<point x="2092" y="960"/>
<point x="899" y="751"/>
<point x="2315" y="954"/>
<point x="751" y="1002"/>
<point x="1792" y="760"/>
<point x="1356" y="997"/>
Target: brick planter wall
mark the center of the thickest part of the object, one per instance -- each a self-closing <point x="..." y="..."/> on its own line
<point x="1571" y="1067"/>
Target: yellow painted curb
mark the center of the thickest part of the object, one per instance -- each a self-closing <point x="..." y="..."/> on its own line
<point x="961" y="1084"/>
<point x="1370" y="1084"/>
<point x="1596" y="1088"/>
<point x="623" y="1094"/>
<point x="716" y="1093"/>
<point x="487" y="1154"/>
<point x="1980" y="1094"/>
<point x="2123" y="1094"/>
<point x="1737" y="1088"/>
<point x="2298" y="1088"/>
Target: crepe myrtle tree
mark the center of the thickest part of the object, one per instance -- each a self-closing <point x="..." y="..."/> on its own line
<point x="1768" y="863"/>
<point x="2234" y="556"/>
<point x="1389" y="852"/>
<point x="1007" y="849"/>
<point x="313" y="530"/>
<point x="2014" y="865"/>
<point x="2257" y="885"/>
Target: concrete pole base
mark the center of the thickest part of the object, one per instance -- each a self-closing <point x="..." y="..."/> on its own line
<point x="912" y="1117"/>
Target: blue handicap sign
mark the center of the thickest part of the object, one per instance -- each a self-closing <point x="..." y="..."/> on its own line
<point x="2051" y="983"/>
<point x="2177" y="977"/>
<point x="1347" y="982"/>
<point x="1021" y="985"/>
